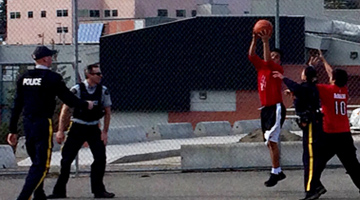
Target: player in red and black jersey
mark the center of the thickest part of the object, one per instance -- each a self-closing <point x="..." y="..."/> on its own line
<point x="272" y="110"/>
<point x="337" y="137"/>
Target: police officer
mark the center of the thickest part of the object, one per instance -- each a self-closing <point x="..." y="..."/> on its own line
<point x="307" y="107"/>
<point x="35" y="96"/>
<point x="85" y="128"/>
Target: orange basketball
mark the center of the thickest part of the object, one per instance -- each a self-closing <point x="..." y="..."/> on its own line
<point x="263" y="25"/>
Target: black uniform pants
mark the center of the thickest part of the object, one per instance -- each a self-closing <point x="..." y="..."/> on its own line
<point x="38" y="133"/>
<point x="77" y="135"/>
<point x="312" y="145"/>
<point x="341" y="145"/>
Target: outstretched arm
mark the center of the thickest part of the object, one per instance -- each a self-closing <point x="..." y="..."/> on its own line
<point x="292" y="85"/>
<point x="327" y="66"/>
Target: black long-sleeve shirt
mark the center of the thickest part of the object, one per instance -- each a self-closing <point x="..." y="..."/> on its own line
<point x="36" y="93"/>
<point x="306" y="96"/>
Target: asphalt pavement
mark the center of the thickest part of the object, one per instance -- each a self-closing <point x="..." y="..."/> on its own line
<point x="175" y="185"/>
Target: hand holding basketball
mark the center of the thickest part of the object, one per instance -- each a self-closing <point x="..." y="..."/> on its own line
<point x="263" y="27"/>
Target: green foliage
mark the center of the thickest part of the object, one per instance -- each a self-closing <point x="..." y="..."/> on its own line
<point x="8" y="102"/>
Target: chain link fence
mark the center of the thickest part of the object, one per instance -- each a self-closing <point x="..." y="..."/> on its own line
<point x="177" y="72"/>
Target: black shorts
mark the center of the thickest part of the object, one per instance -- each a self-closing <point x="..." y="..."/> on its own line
<point x="272" y="119"/>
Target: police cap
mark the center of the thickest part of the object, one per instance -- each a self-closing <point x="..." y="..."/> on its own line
<point x="42" y="51"/>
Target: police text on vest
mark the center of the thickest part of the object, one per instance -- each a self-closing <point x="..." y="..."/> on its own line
<point x="32" y="81"/>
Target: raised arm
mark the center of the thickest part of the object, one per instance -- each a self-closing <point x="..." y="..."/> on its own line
<point x="264" y="35"/>
<point x="327" y="66"/>
<point x="253" y="45"/>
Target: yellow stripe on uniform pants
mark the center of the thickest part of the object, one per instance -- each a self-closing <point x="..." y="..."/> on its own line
<point x="48" y="159"/>
<point x="311" y="158"/>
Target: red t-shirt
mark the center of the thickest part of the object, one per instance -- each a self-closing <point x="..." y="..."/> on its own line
<point x="269" y="88"/>
<point x="334" y="106"/>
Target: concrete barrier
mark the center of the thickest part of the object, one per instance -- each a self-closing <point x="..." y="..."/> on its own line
<point x="172" y="131"/>
<point x="246" y="126"/>
<point x="7" y="157"/>
<point x="152" y="134"/>
<point x="216" y="128"/>
<point x="21" y="148"/>
<point x="126" y="134"/>
<point x="291" y="125"/>
<point x="242" y="155"/>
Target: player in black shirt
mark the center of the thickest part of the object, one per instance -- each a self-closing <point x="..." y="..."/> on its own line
<point x="307" y="107"/>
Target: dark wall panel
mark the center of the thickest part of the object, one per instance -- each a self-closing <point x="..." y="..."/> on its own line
<point x="156" y="68"/>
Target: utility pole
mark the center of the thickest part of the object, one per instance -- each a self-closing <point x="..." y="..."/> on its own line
<point x="277" y="25"/>
<point x="76" y="61"/>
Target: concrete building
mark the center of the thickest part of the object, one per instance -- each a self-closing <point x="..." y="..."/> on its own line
<point x="45" y="22"/>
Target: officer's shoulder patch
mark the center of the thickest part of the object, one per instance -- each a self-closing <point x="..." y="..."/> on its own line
<point x="106" y="92"/>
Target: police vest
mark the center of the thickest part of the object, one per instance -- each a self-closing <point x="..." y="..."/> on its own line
<point x="97" y="112"/>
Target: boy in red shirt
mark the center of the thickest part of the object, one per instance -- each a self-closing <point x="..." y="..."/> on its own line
<point x="337" y="136"/>
<point x="272" y="111"/>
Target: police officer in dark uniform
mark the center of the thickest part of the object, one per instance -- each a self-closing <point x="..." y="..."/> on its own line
<point x="35" y="96"/>
<point x="307" y="107"/>
<point x="85" y="128"/>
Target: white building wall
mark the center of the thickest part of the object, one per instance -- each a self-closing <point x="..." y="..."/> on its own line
<point x="339" y="52"/>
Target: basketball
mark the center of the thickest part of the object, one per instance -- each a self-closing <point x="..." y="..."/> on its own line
<point x="263" y="25"/>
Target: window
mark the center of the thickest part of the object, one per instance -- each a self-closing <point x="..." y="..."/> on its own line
<point x="94" y="13"/>
<point x="62" y="30"/>
<point x="180" y="13"/>
<point x="62" y="13"/>
<point x="114" y="13"/>
<point x="43" y="13"/>
<point x="17" y="15"/>
<point x="193" y="13"/>
<point x="30" y="14"/>
<point x="9" y="73"/>
<point x="162" y="13"/>
<point x="107" y="13"/>
<point x="12" y="15"/>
